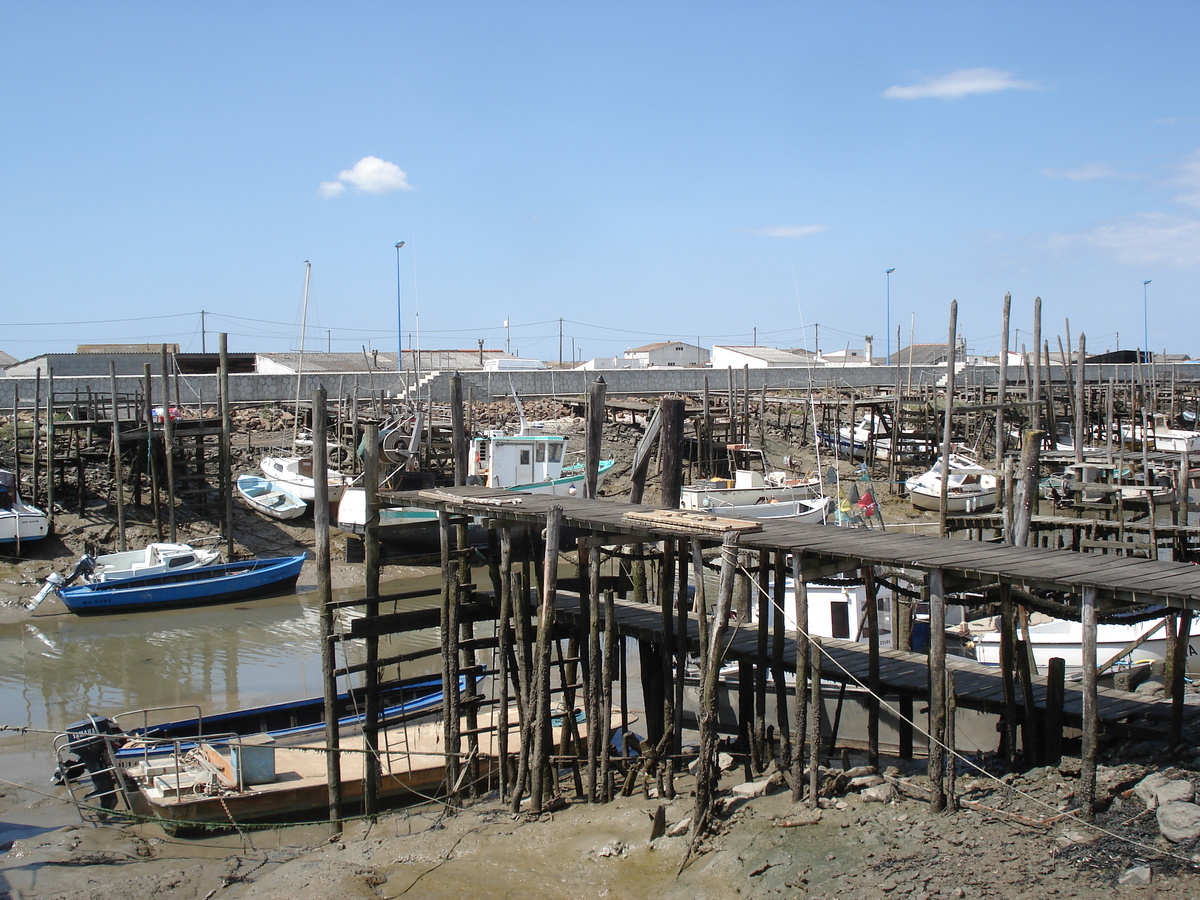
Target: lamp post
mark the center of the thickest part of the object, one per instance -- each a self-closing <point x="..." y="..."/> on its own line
<point x="399" y="320"/>
<point x="888" y="274"/>
<point x="507" y="339"/>
<point x="1146" y="320"/>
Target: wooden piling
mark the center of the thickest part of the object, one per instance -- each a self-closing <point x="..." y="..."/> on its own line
<point x="370" y="728"/>
<point x="593" y="434"/>
<point x="1090" y="727"/>
<point x="118" y="478"/>
<point x="539" y="761"/>
<point x="333" y="759"/>
<point x="937" y="689"/>
<point x="803" y="657"/>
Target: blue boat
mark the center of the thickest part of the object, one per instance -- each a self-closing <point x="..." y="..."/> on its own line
<point x="186" y="587"/>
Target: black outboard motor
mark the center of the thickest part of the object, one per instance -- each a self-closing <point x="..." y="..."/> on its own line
<point x="89" y="755"/>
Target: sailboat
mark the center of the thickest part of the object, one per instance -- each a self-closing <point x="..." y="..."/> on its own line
<point x="293" y="473"/>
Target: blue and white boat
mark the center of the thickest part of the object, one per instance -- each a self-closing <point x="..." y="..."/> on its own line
<point x="186" y="587"/>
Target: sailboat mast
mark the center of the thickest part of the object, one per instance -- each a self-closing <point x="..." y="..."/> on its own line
<point x="300" y="365"/>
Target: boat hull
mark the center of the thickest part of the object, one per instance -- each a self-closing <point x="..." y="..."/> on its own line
<point x="190" y="587"/>
<point x="271" y="499"/>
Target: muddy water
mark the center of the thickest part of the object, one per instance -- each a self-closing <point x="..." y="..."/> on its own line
<point x="59" y="668"/>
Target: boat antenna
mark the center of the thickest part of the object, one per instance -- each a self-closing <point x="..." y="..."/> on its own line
<point x="300" y="364"/>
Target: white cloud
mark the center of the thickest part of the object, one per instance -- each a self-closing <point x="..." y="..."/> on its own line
<point x="1086" y="172"/>
<point x="1149" y="239"/>
<point x="958" y="84"/>
<point x="786" y="231"/>
<point x="1187" y="179"/>
<point x="370" y="174"/>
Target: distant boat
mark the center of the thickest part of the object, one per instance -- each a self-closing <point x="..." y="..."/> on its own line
<point x="752" y="482"/>
<point x="294" y="474"/>
<point x="528" y="461"/>
<point x="19" y="522"/>
<point x="969" y="486"/>
<point x="271" y="499"/>
<point x="815" y="511"/>
<point x="186" y="587"/>
<point x="873" y="431"/>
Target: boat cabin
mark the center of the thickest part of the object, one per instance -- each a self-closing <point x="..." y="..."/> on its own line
<point x="500" y="460"/>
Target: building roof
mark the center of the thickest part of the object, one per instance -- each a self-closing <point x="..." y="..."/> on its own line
<point x="374" y="361"/>
<point x="6" y="359"/>
<point x="770" y="355"/>
<point x="919" y="355"/>
<point x="658" y="345"/>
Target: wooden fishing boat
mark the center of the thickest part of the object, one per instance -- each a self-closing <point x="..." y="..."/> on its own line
<point x="269" y="497"/>
<point x="254" y="777"/>
<point x="751" y="481"/>
<point x="187" y="587"/>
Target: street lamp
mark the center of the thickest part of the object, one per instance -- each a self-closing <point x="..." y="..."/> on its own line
<point x="1145" y="321"/>
<point x="399" y="320"/>
<point x="888" y="273"/>
<point x="507" y="339"/>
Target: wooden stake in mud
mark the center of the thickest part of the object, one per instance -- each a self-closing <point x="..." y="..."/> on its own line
<point x="118" y="479"/>
<point x="713" y="653"/>
<point x="151" y="456"/>
<point x="539" y="761"/>
<point x="370" y="726"/>
<point x="227" y="437"/>
<point x="1087" y="762"/>
<point x="610" y="660"/>
<point x="50" y="474"/>
<point x="1002" y="385"/>
<point x="451" y="724"/>
<point x="802" y="666"/>
<point x="333" y="759"/>
<point x="872" y="599"/>
<point x="169" y="446"/>
<point x="778" y="637"/>
<point x="596" y="734"/>
<point x="1008" y="648"/>
<point x="594" y="431"/>
<point x="504" y="653"/>
<point x="814" y="723"/>
<point x="948" y="424"/>
<point x="937" y="689"/>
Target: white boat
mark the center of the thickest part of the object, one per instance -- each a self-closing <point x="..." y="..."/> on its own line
<point x="269" y="498"/>
<point x="528" y="461"/>
<point x="1174" y="440"/>
<point x="1064" y="639"/>
<point x="19" y="522"/>
<point x="294" y="474"/>
<point x="969" y="486"/>
<point x="817" y="510"/>
<point x="873" y="431"/>
<point x="1097" y="484"/>
<point x="751" y="483"/>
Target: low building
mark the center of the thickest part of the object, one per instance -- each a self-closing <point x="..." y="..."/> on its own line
<point x="670" y="353"/>
<point x="757" y="358"/>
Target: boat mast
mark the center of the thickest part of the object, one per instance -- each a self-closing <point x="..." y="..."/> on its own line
<point x="300" y="365"/>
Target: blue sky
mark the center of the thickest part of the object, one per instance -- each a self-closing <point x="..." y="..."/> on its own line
<point x="702" y="171"/>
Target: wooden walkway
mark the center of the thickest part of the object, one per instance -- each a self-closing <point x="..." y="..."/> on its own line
<point x="1116" y="580"/>
<point x="976" y="686"/>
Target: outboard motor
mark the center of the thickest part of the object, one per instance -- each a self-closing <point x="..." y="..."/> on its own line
<point x="86" y="744"/>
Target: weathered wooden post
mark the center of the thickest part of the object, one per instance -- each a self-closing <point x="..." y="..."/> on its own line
<point x="1008" y="673"/>
<point x="1002" y="385"/>
<point x="814" y="722"/>
<point x="451" y="723"/>
<point x="539" y="762"/>
<point x="594" y="432"/>
<point x="872" y="598"/>
<point x="333" y="758"/>
<point x="803" y="656"/>
<point x="226" y="441"/>
<point x="151" y="456"/>
<point x="1055" y="697"/>
<point x="118" y="478"/>
<point x="778" y="639"/>
<point x="169" y="446"/>
<point x="708" y="770"/>
<point x="948" y="424"/>
<point x="371" y="770"/>
<point x="937" y="689"/>
<point x="1087" y="773"/>
<point x="50" y="473"/>
<point x="597" y="735"/>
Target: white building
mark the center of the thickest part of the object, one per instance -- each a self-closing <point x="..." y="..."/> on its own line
<point x="669" y="353"/>
<point x="756" y="358"/>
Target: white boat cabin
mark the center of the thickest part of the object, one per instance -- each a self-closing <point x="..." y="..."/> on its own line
<point x="500" y="460"/>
